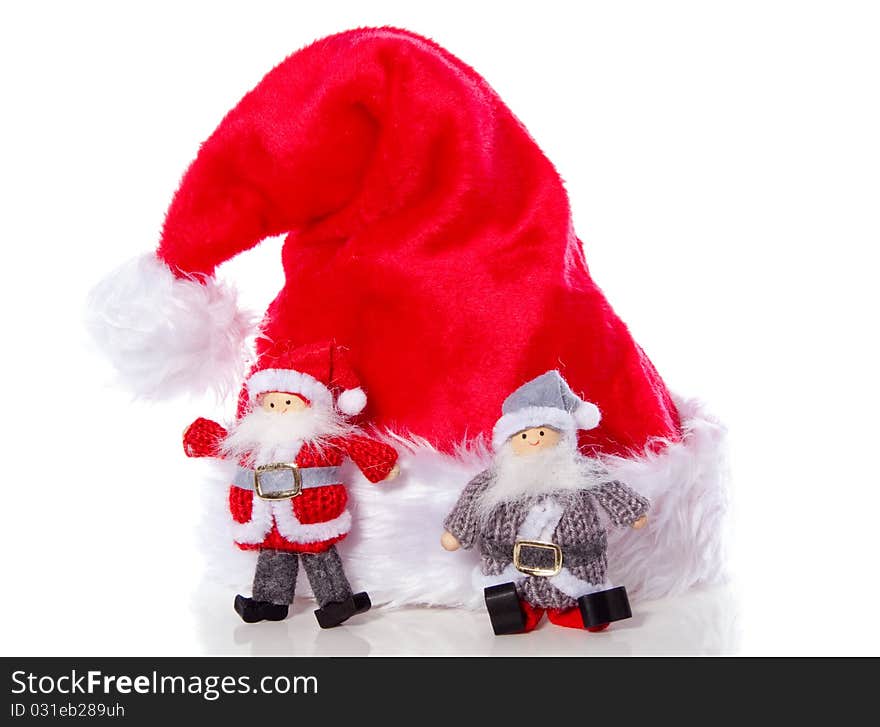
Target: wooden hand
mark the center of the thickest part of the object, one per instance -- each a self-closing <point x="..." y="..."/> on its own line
<point x="449" y="541"/>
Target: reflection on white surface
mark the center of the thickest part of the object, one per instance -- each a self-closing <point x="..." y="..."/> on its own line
<point x="701" y="622"/>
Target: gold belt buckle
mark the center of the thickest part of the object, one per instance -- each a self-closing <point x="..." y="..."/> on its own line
<point x="281" y="494"/>
<point x="540" y="545"/>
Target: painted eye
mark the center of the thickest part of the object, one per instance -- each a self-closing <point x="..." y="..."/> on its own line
<point x="524" y="435"/>
<point x="287" y="402"/>
<point x="541" y="432"/>
<point x="272" y="405"/>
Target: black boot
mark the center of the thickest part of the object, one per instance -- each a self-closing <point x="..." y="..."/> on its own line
<point x="362" y="602"/>
<point x="505" y="613"/>
<point x="252" y="611"/>
<point x="603" y="607"/>
<point x="333" y="614"/>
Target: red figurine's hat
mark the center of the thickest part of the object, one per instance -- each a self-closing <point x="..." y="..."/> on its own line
<point x="320" y="373"/>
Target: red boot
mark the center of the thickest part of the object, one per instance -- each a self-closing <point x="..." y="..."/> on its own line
<point x="533" y="615"/>
<point x="571" y="618"/>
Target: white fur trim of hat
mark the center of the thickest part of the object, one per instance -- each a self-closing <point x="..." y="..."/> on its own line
<point x="586" y="416"/>
<point x="290" y="382"/>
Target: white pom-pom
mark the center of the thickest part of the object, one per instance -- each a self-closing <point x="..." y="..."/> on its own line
<point x="352" y="401"/>
<point x="587" y="416"/>
<point x="167" y="335"/>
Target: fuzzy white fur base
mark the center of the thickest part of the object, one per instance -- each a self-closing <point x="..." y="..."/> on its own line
<point x="167" y="335"/>
<point x="683" y="543"/>
<point x="394" y="551"/>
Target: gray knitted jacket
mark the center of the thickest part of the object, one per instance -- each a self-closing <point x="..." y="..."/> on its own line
<point x="570" y="518"/>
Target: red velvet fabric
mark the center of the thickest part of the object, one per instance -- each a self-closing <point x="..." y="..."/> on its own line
<point x="426" y="232"/>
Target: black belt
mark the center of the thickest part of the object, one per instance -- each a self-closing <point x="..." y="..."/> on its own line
<point x="540" y="558"/>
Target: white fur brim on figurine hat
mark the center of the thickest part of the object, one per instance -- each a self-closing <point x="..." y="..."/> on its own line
<point x="545" y="401"/>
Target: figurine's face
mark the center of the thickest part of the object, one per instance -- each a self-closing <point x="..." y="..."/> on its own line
<point x="536" y="439"/>
<point x="279" y="402"/>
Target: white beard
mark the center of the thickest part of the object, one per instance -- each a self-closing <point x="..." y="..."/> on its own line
<point x="263" y="437"/>
<point x="560" y="468"/>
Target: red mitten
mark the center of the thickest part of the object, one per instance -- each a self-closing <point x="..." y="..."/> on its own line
<point x="375" y="459"/>
<point x="202" y="438"/>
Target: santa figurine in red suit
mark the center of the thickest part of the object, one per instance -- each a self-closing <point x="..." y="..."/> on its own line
<point x="287" y="497"/>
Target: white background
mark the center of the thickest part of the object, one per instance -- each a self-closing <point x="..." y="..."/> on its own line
<point x="723" y="162"/>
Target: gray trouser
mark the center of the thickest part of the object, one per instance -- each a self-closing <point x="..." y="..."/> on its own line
<point x="275" y="576"/>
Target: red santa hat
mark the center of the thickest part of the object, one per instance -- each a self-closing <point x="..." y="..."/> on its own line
<point x="418" y="211"/>
<point x="427" y="233"/>
<point x="319" y="373"/>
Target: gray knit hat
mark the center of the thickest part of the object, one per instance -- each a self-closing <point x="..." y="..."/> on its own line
<point x="546" y="400"/>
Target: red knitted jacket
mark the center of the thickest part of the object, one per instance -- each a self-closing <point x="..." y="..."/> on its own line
<point x="311" y="521"/>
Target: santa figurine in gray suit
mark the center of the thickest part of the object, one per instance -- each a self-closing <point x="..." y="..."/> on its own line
<point x="539" y="516"/>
